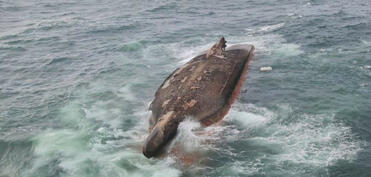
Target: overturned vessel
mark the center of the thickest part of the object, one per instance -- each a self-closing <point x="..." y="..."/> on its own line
<point x="203" y="89"/>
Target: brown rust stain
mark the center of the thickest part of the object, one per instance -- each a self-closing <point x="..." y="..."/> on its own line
<point x="192" y="68"/>
<point x="165" y="103"/>
<point x="189" y="104"/>
<point x="197" y="72"/>
<point x="184" y="79"/>
<point x="192" y="103"/>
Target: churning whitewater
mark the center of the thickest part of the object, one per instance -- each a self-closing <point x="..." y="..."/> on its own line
<point x="77" y="78"/>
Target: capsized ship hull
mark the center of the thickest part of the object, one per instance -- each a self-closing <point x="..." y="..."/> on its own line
<point x="203" y="89"/>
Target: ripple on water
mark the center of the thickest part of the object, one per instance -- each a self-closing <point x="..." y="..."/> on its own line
<point x="11" y="48"/>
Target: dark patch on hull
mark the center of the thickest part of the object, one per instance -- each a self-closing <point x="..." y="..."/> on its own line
<point x="204" y="89"/>
<point x="234" y="95"/>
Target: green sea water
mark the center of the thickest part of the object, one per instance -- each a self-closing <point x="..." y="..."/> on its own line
<point x="76" y="79"/>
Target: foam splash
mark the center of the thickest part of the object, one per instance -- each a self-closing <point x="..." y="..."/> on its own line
<point x="190" y="52"/>
<point x="85" y="150"/>
<point x="264" y="38"/>
<point x="271" y="27"/>
<point x="288" y="50"/>
<point x="297" y="141"/>
<point x="269" y="44"/>
<point x="91" y="144"/>
<point x="98" y="137"/>
<point x="265" y="28"/>
<point x="188" y="135"/>
<point x="247" y="119"/>
<point x="192" y="144"/>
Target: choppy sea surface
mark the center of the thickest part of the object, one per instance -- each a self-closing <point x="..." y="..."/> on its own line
<point x="76" y="79"/>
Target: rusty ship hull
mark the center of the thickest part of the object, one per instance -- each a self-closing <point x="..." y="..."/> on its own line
<point x="202" y="89"/>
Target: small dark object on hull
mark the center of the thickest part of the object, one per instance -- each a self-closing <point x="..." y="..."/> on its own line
<point x="204" y="89"/>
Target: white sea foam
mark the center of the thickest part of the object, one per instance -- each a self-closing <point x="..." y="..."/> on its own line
<point x="267" y="28"/>
<point x="187" y="53"/>
<point x="272" y="27"/>
<point x="127" y="92"/>
<point x="107" y="151"/>
<point x="288" y="50"/>
<point x="248" y="119"/>
<point x="96" y="138"/>
<point x="188" y="135"/>
<point x="269" y="44"/>
<point x="91" y="139"/>
<point x="299" y="139"/>
<point x="194" y="138"/>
